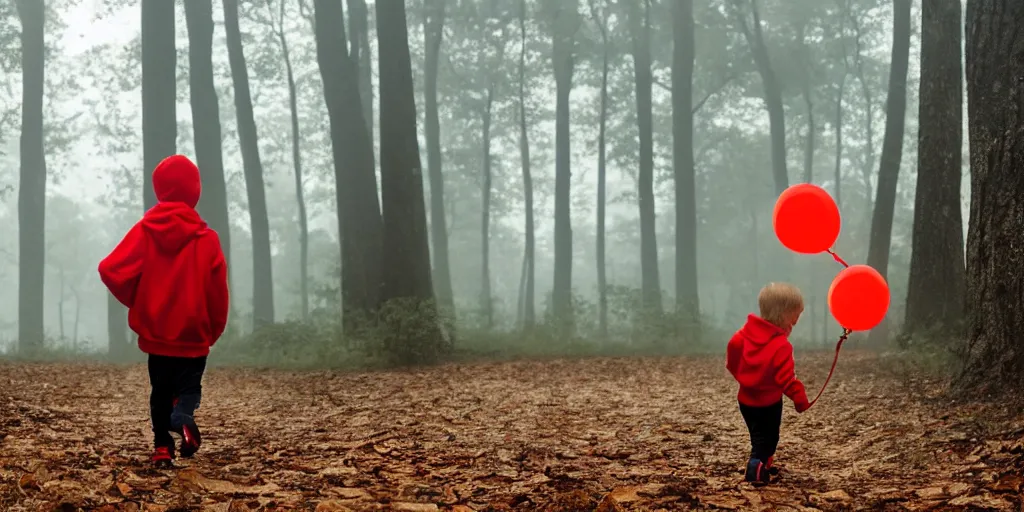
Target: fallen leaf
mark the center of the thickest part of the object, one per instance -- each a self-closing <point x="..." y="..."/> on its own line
<point x="332" y="506"/>
<point x="413" y="507"/>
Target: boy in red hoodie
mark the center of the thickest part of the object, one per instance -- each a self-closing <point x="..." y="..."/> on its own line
<point x="170" y="272"/>
<point x="760" y="357"/>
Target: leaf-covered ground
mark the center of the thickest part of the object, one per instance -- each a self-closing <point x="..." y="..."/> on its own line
<point x="596" y="434"/>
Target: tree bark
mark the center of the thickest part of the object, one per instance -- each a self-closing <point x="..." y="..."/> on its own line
<point x="892" y="152"/>
<point x="159" y="128"/>
<point x="359" y="217"/>
<point x="485" y="215"/>
<point x="772" y="95"/>
<point x="406" y="249"/>
<point x="527" y="300"/>
<point x="565" y="25"/>
<point x="433" y="33"/>
<point x="995" y="288"/>
<point x="935" y="290"/>
<point x="262" y="266"/>
<point x="602" y="282"/>
<point x="213" y="204"/>
<point x="640" y="25"/>
<point x="683" y="57"/>
<point x="300" y="196"/>
<point x="32" y="180"/>
<point x="359" y="45"/>
<point x="869" y="107"/>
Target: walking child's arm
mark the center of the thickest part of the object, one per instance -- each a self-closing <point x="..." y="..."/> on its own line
<point x="217" y="299"/>
<point x="785" y="376"/>
<point x="121" y="269"/>
<point x="732" y="354"/>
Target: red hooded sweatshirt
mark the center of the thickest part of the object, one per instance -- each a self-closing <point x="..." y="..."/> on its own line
<point x="760" y="357"/>
<point x="169" y="269"/>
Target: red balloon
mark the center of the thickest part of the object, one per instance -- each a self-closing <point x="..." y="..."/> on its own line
<point x="806" y="219"/>
<point x="858" y="298"/>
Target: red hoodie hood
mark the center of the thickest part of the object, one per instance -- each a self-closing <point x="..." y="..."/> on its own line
<point x="174" y="221"/>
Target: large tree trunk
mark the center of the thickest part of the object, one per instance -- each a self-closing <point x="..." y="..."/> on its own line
<point x="772" y="94"/>
<point x="526" y="300"/>
<point x="565" y="25"/>
<point x="640" y="27"/>
<point x="359" y="45"/>
<point x="935" y="289"/>
<point x="892" y="152"/>
<point x="159" y="128"/>
<point x="433" y="33"/>
<point x="300" y="196"/>
<point x="995" y="287"/>
<point x="602" y="282"/>
<point x="32" y="183"/>
<point x="485" y="215"/>
<point x="262" y="267"/>
<point x="359" y="218"/>
<point x="213" y="204"/>
<point x="683" y="56"/>
<point x="406" y="249"/>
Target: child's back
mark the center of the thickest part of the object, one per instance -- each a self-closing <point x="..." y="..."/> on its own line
<point x="170" y="272"/>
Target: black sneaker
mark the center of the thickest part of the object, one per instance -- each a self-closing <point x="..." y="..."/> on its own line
<point x="756" y="472"/>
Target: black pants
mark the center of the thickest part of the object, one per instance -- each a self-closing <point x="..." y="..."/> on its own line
<point x="763" y="424"/>
<point x="173" y="378"/>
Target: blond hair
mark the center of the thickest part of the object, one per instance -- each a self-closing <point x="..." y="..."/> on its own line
<point x="778" y="300"/>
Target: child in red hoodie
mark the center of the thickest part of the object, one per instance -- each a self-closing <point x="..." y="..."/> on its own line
<point x="170" y="272"/>
<point x="760" y="357"/>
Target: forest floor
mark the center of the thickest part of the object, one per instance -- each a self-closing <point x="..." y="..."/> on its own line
<point x="594" y="434"/>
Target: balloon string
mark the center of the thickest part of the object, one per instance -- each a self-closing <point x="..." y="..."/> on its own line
<point x="837" y="258"/>
<point x="839" y="344"/>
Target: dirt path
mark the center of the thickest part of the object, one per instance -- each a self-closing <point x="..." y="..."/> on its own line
<point x="605" y="434"/>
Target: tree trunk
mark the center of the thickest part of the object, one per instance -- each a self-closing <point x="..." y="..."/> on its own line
<point x="360" y="54"/>
<point x="995" y="288"/>
<point x="433" y="33"/>
<point x="485" y="217"/>
<point x="602" y="282"/>
<point x="32" y="182"/>
<point x="892" y="152"/>
<point x="527" y="299"/>
<point x="683" y="57"/>
<point x="935" y="289"/>
<point x="565" y="25"/>
<point x="869" y="107"/>
<point x="838" y="173"/>
<point x="297" y="162"/>
<point x="213" y="204"/>
<point x="406" y="249"/>
<point x="772" y="96"/>
<point x="262" y="266"/>
<point x="809" y="141"/>
<point x="159" y="128"/>
<point x="641" y="35"/>
<point x="359" y="218"/>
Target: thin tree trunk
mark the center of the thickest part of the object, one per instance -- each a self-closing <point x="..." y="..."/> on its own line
<point x="527" y="299"/>
<point x="360" y="55"/>
<point x="602" y="282"/>
<point x="213" y="204"/>
<point x="564" y="29"/>
<point x="838" y="173"/>
<point x="297" y="162"/>
<point x="935" y="289"/>
<point x="262" y="264"/>
<point x="869" y="125"/>
<point x="809" y="141"/>
<point x="60" y="304"/>
<point x="485" y="217"/>
<point x="772" y="95"/>
<point x="892" y="151"/>
<point x="683" y="57"/>
<point x="32" y="180"/>
<point x="433" y="33"/>
<point x="406" y="248"/>
<point x="159" y="127"/>
<point x="358" y="210"/>
<point x="995" y="290"/>
<point x="641" y="35"/>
